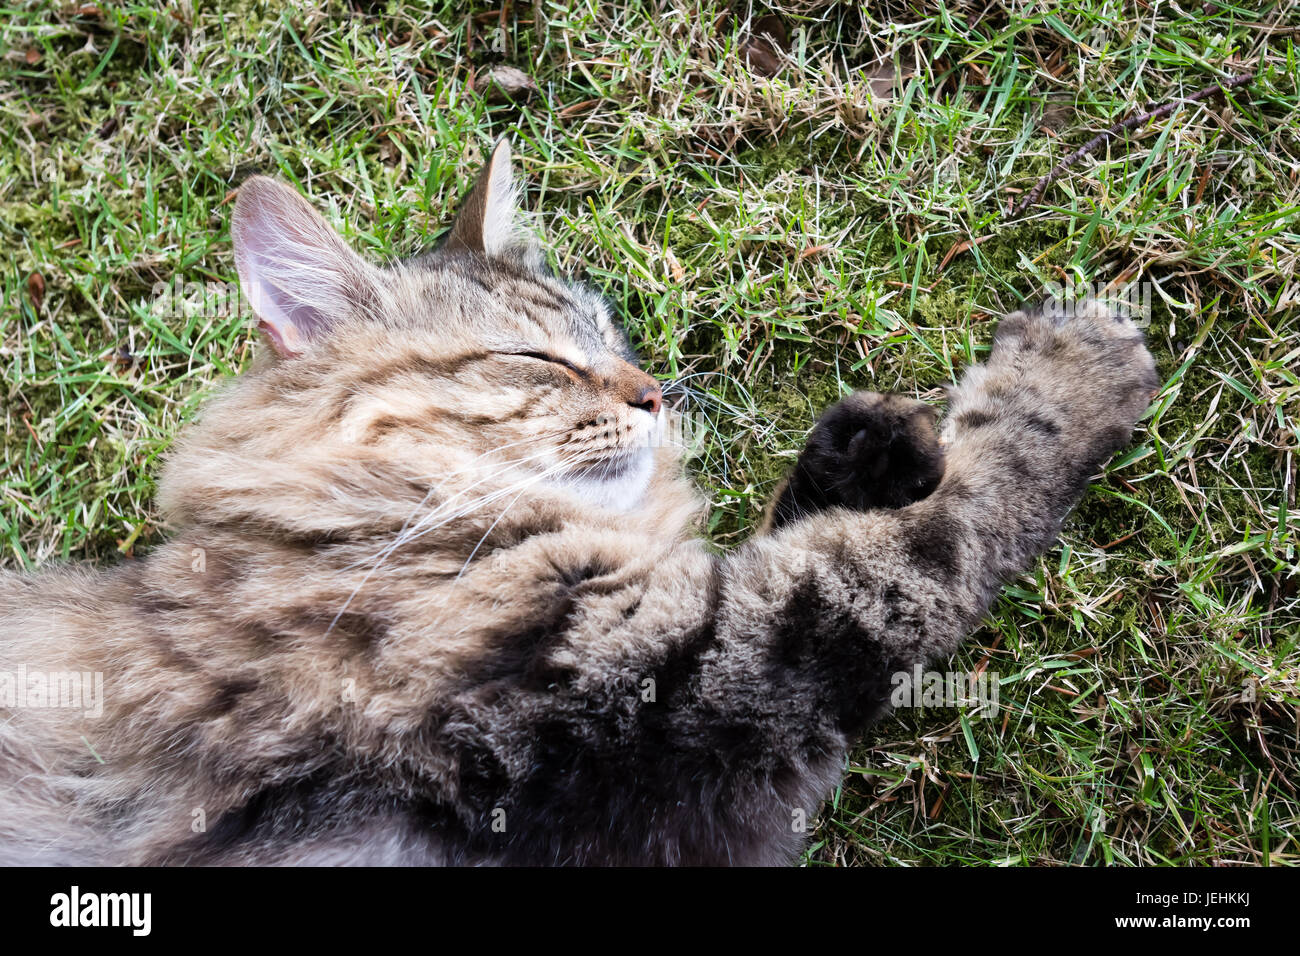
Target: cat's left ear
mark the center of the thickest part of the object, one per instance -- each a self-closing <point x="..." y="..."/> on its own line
<point x="297" y="273"/>
<point x="487" y="222"/>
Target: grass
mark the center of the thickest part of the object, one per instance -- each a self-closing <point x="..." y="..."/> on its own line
<point x="773" y="242"/>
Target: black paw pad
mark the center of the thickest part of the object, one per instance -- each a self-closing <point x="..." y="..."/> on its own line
<point x="869" y="451"/>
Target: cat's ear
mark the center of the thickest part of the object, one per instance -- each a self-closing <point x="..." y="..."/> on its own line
<point x="298" y="275"/>
<point x="487" y="220"/>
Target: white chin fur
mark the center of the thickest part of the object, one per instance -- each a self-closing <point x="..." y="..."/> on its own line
<point x="624" y="491"/>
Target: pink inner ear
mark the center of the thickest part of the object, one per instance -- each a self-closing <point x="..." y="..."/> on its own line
<point x="297" y="274"/>
<point x="289" y="321"/>
<point x="282" y="348"/>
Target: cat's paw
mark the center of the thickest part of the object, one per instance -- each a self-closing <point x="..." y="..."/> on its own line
<point x="869" y="451"/>
<point x="1074" y="376"/>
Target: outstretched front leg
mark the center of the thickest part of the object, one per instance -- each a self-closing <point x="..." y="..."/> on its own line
<point x="882" y="590"/>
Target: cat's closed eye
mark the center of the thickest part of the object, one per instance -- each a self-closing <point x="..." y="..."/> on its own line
<point x="548" y="357"/>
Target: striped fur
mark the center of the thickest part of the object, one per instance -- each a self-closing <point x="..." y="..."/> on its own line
<point x="426" y="602"/>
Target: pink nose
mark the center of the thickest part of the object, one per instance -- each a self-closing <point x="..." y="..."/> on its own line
<point x="635" y="387"/>
<point x="651" y="399"/>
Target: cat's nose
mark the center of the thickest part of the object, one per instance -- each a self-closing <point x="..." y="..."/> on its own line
<point x="640" y="390"/>
<point x="651" y="399"/>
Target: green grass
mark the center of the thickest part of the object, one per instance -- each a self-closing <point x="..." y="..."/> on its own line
<point x="773" y="243"/>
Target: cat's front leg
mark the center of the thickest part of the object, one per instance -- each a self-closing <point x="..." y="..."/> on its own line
<point x="1061" y="391"/>
<point x="1062" y="366"/>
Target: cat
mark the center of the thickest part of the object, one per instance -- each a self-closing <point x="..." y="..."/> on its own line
<point x="434" y="591"/>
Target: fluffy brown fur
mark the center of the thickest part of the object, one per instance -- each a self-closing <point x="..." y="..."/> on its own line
<point x="435" y="596"/>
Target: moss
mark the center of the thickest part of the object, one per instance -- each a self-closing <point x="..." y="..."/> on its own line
<point x="686" y="234"/>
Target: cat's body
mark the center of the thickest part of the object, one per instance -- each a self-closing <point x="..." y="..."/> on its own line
<point x="406" y="618"/>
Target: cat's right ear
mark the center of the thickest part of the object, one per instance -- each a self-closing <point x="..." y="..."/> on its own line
<point x="298" y="275"/>
<point x="487" y="219"/>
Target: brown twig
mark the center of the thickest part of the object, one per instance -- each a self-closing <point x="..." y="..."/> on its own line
<point x="1122" y="127"/>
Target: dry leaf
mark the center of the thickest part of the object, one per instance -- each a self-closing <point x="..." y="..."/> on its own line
<point x="674" y="267"/>
<point x="885" y="77"/>
<point x="960" y="247"/>
<point x="762" y="49"/>
<point x="36" y="290"/>
<point x="813" y="251"/>
<point x="502" y="83"/>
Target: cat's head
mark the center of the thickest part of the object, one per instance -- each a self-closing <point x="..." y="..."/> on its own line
<point x="473" y="352"/>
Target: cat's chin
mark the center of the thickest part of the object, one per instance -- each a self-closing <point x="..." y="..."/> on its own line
<point x="619" y="486"/>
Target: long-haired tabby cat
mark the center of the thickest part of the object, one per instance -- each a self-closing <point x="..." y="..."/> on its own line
<point x="434" y="595"/>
